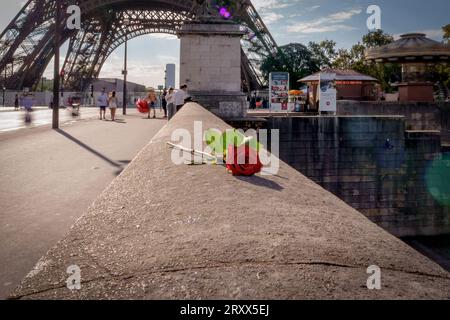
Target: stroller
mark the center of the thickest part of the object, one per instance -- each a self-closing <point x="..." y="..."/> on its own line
<point x="75" y="103"/>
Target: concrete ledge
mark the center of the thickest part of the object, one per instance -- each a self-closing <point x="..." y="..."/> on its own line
<point x="161" y="231"/>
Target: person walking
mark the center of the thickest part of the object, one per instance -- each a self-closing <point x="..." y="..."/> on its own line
<point x="102" y="103"/>
<point x="170" y="104"/>
<point x="112" y="104"/>
<point x="180" y="96"/>
<point x="16" y="102"/>
<point x="164" y="102"/>
<point x="253" y="101"/>
<point x="27" y="102"/>
<point x="151" y="100"/>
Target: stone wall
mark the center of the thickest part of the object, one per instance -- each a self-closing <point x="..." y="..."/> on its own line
<point x="445" y="125"/>
<point x="370" y="163"/>
<point x="210" y="57"/>
<point x="419" y="115"/>
<point x="210" y="64"/>
<point x="205" y="234"/>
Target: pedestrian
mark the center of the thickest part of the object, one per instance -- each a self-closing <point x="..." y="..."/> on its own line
<point x="164" y="102"/>
<point x="28" y="103"/>
<point x="16" y="102"/>
<point x="102" y="103"/>
<point x="180" y="96"/>
<point x="151" y="100"/>
<point x="253" y="102"/>
<point x="112" y="104"/>
<point x="170" y="103"/>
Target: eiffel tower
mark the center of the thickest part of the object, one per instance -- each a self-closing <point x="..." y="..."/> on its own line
<point x="26" y="45"/>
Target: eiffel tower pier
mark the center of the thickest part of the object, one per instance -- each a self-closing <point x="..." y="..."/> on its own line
<point x="210" y="64"/>
<point x="26" y="45"/>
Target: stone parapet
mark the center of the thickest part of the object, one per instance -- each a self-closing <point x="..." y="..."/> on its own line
<point x="166" y="231"/>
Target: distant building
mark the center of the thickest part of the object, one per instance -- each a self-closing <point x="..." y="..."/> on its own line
<point x="111" y="84"/>
<point x="170" y="75"/>
<point x="134" y="90"/>
<point x="350" y="85"/>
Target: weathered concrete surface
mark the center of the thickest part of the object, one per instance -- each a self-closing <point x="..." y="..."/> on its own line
<point x="48" y="179"/>
<point x="195" y="232"/>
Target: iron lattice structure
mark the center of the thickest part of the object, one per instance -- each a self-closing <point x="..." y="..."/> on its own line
<point x="26" y="45"/>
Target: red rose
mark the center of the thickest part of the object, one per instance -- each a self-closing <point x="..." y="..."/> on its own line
<point x="243" y="160"/>
<point x="142" y="106"/>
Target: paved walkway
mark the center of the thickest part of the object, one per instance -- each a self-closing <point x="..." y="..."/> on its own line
<point x="11" y="109"/>
<point x="14" y="120"/>
<point x="48" y="179"/>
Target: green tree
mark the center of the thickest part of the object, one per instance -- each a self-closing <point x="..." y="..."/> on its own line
<point x="294" y="58"/>
<point x="377" y="39"/>
<point x="354" y="59"/>
<point x="300" y="60"/>
<point x="446" y="30"/>
<point x="323" y="53"/>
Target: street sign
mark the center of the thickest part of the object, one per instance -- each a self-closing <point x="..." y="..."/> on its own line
<point x="279" y="91"/>
<point x="327" y="92"/>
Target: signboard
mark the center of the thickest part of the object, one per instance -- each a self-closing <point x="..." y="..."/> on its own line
<point x="327" y="92"/>
<point x="279" y="91"/>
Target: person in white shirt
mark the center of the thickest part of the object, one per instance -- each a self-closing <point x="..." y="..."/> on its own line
<point x="102" y="103"/>
<point x="179" y="97"/>
<point x="112" y="103"/>
<point x="170" y="103"/>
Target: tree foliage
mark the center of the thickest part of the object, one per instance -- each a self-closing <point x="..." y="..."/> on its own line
<point x="294" y="58"/>
<point x="446" y="30"/>
<point x="323" y="53"/>
<point x="377" y="38"/>
<point x="300" y="60"/>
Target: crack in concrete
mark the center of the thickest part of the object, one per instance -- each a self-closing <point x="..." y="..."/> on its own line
<point x="222" y="265"/>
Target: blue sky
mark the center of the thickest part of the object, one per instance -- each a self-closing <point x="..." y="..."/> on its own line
<point x="343" y="21"/>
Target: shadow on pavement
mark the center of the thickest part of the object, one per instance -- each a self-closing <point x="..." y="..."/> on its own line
<point x="262" y="182"/>
<point x="85" y="146"/>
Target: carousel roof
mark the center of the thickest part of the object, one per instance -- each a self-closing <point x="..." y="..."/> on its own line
<point x="341" y="75"/>
<point x="410" y="47"/>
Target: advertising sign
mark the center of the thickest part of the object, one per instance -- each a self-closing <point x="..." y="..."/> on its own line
<point x="279" y="91"/>
<point x="327" y="92"/>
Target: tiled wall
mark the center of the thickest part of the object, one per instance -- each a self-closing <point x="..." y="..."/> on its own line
<point x="373" y="164"/>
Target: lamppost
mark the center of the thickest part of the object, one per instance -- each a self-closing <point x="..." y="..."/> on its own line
<point x="56" y="75"/>
<point x="126" y="23"/>
<point x="165" y="78"/>
<point x="4" y="87"/>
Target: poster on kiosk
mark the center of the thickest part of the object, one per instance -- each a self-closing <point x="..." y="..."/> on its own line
<point x="279" y="91"/>
<point x="327" y="92"/>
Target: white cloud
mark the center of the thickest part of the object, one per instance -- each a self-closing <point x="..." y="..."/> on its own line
<point x="344" y="15"/>
<point x="149" y="72"/>
<point x="330" y="23"/>
<point x="267" y="9"/>
<point x="270" y="4"/>
<point x="163" y="36"/>
<point x="271" y="17"/>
